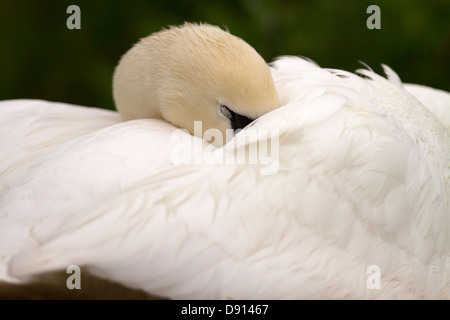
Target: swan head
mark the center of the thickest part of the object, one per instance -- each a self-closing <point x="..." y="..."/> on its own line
<point x="195" y="72"/>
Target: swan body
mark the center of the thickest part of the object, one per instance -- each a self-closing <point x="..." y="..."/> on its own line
<point x="176" y="73"/>
<point x="48" y="144"/>
<point x="362" y="179"/>
<point x="437" y="101"/>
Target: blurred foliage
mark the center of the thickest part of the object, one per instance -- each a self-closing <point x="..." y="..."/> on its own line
<point x="41" y="58"/>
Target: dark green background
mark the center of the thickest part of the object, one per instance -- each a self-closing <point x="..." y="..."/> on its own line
<point x="41" y="58"/>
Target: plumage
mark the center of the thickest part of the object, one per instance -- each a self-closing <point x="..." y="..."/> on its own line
<point x="363" y="180"/>
<point x="180" y="73"/>
<point x="437" y="101"/>
<point x="361" y="177"/>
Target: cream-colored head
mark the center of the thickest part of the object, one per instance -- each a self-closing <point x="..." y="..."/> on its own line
<point x="195" y="72"/>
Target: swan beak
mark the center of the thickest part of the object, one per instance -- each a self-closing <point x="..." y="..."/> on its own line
<point x="239" y="122"/>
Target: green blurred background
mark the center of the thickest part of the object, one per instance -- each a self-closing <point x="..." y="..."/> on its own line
<point x="40" y="58"/>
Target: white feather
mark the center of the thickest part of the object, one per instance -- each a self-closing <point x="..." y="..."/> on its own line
<point x="437" y="101"/>
<point x="363" y="179"/>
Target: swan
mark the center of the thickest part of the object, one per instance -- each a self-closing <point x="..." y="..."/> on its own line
<point x="180" y="60"/>
<point x="362" y="180"/>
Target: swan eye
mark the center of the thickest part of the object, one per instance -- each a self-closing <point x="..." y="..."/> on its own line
<point x="226" y="111"/>
<point x="237" y="121"/>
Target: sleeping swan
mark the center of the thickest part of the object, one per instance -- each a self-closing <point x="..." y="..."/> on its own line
<point x="194" y="72"/>
<point x="358" y="208"/>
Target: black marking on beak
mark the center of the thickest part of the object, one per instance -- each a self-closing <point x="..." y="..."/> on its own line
<point x="238" y="122"/>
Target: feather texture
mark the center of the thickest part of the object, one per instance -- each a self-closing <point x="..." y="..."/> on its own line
<point x="362" y="179"/>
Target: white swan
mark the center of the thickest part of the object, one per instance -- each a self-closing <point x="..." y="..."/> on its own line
<point x="363" y="180"/>
<point x="174" y="74"/>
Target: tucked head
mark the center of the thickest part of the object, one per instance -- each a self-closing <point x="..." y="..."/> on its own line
<point x="194" y="73"/>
